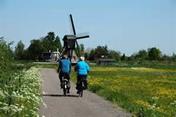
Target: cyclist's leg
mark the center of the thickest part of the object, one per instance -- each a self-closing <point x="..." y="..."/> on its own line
<point x="85" y="82"/>
<point x="68" y="78"/>
<point x="61" y="79"/>
<point x="78" y="83"/>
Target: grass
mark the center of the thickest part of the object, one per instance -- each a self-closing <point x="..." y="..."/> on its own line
<point x="142" y="91"/>
<point x="55" y="66"/>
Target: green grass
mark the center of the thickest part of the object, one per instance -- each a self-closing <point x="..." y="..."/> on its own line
<point x="142" y="91"/>
<point x="55" y="66"/>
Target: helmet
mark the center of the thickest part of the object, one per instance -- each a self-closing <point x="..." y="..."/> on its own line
<point x="82" y="58"/>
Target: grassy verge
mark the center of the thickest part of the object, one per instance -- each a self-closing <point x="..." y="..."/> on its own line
<point x="20" y="96"/>
<point x="45" y="65"/>
<point x="142" y="91"/>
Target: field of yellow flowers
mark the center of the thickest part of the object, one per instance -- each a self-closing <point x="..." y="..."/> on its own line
<point x="142" y="91"/>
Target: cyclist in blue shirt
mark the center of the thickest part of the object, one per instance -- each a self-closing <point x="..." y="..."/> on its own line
<point x="64" y="69"/>
<point x="82" y="69"/>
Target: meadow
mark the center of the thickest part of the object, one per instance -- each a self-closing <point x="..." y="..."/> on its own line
<point x="147" y="92"/>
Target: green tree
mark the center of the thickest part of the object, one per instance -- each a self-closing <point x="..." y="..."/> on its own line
<point x="154" y="53"/>
<point x="91" y="55"/>
<point x="142" y="55"/>
<point x="173" y="57"/>
<point x="123" y="57"/>
<point x="51" y="36"/>
<point x="48" y="42"/>
<point x="5" y="54"/>
<point x="58" y="44"/>
<point x="81" y="49"/>
<point x="51" y="43"/>
<point x="6" y="59"/>
<point x="166" y="57"/>
<point x="19" y="50"/>
<point x="35" y="49"/>
<point x="101" y="51"/>
<point x="114" y="55"/>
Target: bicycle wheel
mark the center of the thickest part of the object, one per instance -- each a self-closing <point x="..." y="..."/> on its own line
<point x="65" y="91"/>
<point x="81" y="93"/>
<point x="65" y="88"/>
<point x="81" y="88"/>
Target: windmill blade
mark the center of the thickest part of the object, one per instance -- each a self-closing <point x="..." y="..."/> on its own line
<point x="82" y="35"/>
<point x="73" y="27"/>
<point x="78" y="49"/>
<point x="86" y="36"/>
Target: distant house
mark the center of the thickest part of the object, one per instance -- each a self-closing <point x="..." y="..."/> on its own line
<point x="105" y="61"/>
<point x="55" y="55"/>
<point x="45" y="56"/>
<point x="49" y="56"/>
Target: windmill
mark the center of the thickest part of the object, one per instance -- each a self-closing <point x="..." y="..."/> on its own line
<point x="71" y="43"/>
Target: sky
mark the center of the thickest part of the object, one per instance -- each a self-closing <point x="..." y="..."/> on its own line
<point x="123" y="25"/>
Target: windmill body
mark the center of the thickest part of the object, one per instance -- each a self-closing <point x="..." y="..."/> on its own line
<point x="70" y="43"/>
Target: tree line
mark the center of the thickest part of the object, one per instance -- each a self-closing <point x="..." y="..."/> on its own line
<point x="51" y="42"/>
<point x="149" y="54"/>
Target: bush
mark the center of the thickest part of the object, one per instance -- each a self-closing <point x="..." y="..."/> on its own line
<point x="19" y="87"/>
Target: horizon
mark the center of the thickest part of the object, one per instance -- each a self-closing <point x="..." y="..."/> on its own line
<point x="125" y="26"/>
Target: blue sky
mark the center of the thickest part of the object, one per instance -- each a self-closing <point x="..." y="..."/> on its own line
<point x="123" y="25"/>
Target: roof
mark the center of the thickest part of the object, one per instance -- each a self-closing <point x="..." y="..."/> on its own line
<point x="69" y="37"/>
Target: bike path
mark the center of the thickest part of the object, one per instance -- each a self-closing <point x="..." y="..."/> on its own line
<point x="56" y="105"/>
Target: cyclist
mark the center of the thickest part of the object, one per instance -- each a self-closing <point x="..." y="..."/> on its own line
<point x="82" y="69"/>
<point x="64" y="70"/>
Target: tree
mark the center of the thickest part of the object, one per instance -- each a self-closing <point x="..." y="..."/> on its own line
<point x="123" y="57"/>
<point x="154" y="53"/>
<point x="51" y="43"/>
<point x="19" y="50"/>
<point x="101" y="51"/>
<point x="91" y="55"/>
<point x="6" y="56"/>
<point x="142" y="55"/>
<point x="81" y="49"/>
<point x="114" y="55"/>
<point x="58" y="44"/>
<point x="48" y="42"/>
<point x="35" y="49"/>
<point x="173" y="57"/>
<point x="51" y="36"/>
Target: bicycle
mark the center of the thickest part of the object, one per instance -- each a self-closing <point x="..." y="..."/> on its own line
<point x="65" y="86"/>
<point x="82" y="85"/>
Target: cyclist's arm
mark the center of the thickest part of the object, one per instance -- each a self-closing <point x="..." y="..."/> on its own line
<point x="70" y="67"/>
<point x="59" y="67"/>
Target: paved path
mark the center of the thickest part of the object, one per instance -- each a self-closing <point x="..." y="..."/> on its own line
<point x="56" y="105"/>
